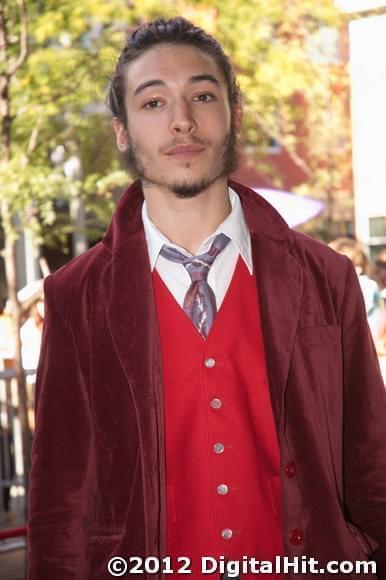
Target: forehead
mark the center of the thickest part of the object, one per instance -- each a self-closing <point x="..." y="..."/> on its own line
<point x="171" y="63"/>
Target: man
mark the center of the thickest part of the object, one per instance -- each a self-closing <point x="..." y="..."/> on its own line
<point x="207" y="385"/>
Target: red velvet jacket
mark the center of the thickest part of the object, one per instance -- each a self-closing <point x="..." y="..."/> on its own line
<point x="98" y="478"/>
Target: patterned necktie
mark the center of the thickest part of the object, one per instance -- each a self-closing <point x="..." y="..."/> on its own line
<point x="200" y="301"/>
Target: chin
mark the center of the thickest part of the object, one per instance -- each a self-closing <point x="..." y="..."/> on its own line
<point x="186" y="191"/>
<point x="188" y="188"/>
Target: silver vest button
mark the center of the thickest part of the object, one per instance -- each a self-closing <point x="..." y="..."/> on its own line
<point x="218" y="448"/>
<point x="222" y="489"/>
<point x="209" y="363"/>
<point x="216" y="403"/>
<point x="226" y="534"/>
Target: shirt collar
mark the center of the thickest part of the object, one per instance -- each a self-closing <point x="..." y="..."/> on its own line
<point x="234" y="226"/>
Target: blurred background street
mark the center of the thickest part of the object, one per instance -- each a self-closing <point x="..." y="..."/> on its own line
<point x="13" y="563"/>
<point x="13" y="552"/>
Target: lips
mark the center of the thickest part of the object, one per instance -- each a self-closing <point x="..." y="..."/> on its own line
<point x="185" y="150"/>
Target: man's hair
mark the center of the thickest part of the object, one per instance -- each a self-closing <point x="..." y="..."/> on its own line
<point x="174" y="31"/>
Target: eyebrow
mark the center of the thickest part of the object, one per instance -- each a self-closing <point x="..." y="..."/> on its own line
<point x="191" y="80"/>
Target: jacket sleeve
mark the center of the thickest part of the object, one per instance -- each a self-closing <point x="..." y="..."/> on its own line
<point x="364" y="424"/>
<point x="60" y="475"/>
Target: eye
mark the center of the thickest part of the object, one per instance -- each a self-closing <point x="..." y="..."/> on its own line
<point x="204" y="98"/>
<point x="153" y="104"/>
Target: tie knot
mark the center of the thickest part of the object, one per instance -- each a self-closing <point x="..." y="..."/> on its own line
<point x="198" y="269"/>
<point x="197" y="266"/>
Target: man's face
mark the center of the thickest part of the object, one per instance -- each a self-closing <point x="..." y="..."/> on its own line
<point x="181" y="132"/>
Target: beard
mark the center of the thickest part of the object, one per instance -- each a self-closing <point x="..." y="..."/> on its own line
<point x="188" y="188"/>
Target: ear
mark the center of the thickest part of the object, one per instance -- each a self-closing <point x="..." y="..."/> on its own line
<point x="237" y="117"/>
<point x="121" y="136"/>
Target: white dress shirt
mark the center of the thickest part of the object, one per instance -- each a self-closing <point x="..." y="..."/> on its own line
<point x="175" y="276"/>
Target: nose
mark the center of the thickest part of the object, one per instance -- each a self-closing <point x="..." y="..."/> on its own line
<point x="182" y="120"/>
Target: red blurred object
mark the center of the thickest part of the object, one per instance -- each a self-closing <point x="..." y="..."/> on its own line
<point x="13" y="533"/>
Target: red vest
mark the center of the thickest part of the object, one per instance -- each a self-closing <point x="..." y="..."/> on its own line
<point x="222" y="455"/>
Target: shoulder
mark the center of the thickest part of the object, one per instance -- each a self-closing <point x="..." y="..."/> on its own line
<point x="81" y="277"/>
<point x="330" y="274"/>
<point x="318" y="255"/>
<point x="83" y="265"/>
<point x="326" y="274"/>
<point x="265" y="221"/>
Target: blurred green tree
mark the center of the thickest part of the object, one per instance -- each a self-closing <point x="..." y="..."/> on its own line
<point x="55" y="58"/>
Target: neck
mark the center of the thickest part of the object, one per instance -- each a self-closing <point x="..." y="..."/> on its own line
<point x="187" y="222"/>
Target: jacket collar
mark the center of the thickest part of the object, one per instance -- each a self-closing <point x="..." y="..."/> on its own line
<point x="261" y="217"/>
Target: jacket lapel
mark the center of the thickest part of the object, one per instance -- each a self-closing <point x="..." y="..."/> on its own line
<point x="132" y="320"/>
<point x="131" y="314"/>
<point x="279" y="284"/>
<point x="129" y="298"/>
<point x="279" y="279"/>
